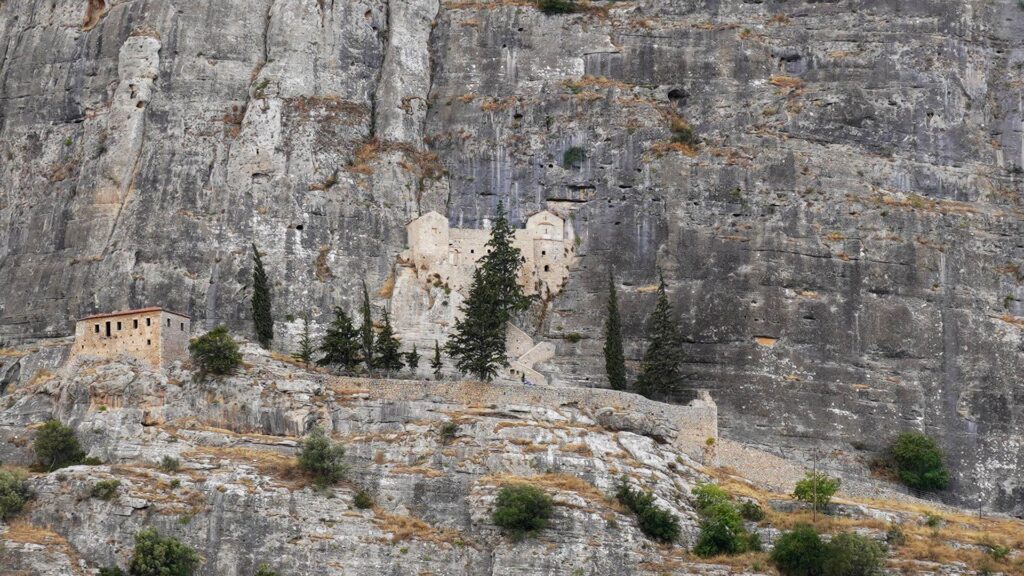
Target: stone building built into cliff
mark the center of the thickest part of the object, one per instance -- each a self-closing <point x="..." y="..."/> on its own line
<point x="153" y="335"/>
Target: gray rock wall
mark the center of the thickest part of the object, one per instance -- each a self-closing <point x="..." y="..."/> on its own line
<point x="855" y="196"/>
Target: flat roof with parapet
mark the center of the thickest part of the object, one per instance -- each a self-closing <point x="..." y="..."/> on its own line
<point x="136" y="311"/>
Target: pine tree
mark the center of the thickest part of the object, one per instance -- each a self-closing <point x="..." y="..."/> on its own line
<point x="387" y="356"/>
<point x="412" y="359"/>
<point x="261" y="315"/>
<point x="614" y="360"/>
<point x="659" y="370"/>
<point x="341" y="344"/>
<point x="436" y="363"/>
<point x="305" y="352"/>
<point x="478" y="345"/>
<point x="366" y="330"/>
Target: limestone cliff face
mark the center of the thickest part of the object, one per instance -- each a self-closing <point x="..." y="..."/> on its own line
<point x="843" y="246"/>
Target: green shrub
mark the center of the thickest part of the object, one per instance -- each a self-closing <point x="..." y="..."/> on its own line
<point x="215" y="352"/>
<point x="799" y="552"/>
<point x="14" y="492"/>
<point x="522" y="509"/>
<point x="932" y="520"/>
<point x="264" y="570"/>
<point x="111" y="571"/>
<point x="448" y="431"/>
<point x="169" y="464"/>
<point x="55" y="447"/>
<point x="918" y="462"/>
<point x="558" y="6"/>
<point x="895" y="536"/>
<point x="707" y="495"/>
<point x="751" y="511"/>
<point x="654" y="521"/>
<point x="853" y="555"/>
<point x="156" y="555"/>
<point x="105" y="489"/>
<point x="817" y="489"/>
<point x="322" y="458"/>
<point x="363" y="500"/>
<point x="573" y="156"/>
<point x="721" y="531"/>
<point x="91" y="461"/>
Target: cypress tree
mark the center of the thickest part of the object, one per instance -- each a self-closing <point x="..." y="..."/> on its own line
<point x="366" y="330"/>
<point x="412" y="359"/>
<point x="305" y="352"/>
<point x="261" y="315"/>
<point x="341" y="343"/>
<point x="386" y="348"/>
<point x="436" y="363"/>
<point x="614" y="360"/>
<point x="478" y="344"/>
<point x="659" y="370"/>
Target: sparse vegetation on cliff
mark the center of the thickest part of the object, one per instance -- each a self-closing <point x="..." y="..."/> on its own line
<point x="215" y="352"/>
<point x="918" y="462"/>
<point x="14" y="492"/>
<point x="816" y="489"/>
<point x="322" y="458"/>
<point x="56" y="446"/>
<point x="659" y="369"/>
<point x="614" y="357"/>
<point x="157" y="555"/>
<point x="262" y="317"/>
<point x="522" y="509"/>
<point x="654" y="521"/>
<point x="341" y="344"/>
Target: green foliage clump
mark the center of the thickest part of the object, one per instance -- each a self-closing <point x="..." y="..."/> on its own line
<point x="478" y="342"/>
<point x="14" y="492"/>
<point x="169" y="464"/>
<point x="56" y="446"/>
<point x="448" y="431"/>
<point x="341" y="344"/>
<point x="436" y="364"/>
<point x="751" y="511"/>
<point x="558" y="6"/>
<point x="817" y="489"/>
<point x="918" y="462"/>
<point x="215" y="352"/>
<point x="656" y="522"/>
<point x="111" y="571"/>
<point x="385" y="348"/>
<point x="851" y="554"/>
<point x="264" y="570"/>
<point x="895" y="536"/>
<point x="305" y="352"/>
<point x="706" y="495"/>
<point x="322" y="458"/>
<point x="659" y="369"/>
<point x="363" y="500"/>
<point x="573" y="156"/>
<point x="614" y="357"/>
<point x="721" y="531"/>
<point x="801" y="552"/>
<point x="261" y="314"/>
<point x="522" y="509"/>
<point x="412" y="359"/>
<point x="366" y="330"/>
<point x="105" y="489"/>
<point x="156" y="555"/>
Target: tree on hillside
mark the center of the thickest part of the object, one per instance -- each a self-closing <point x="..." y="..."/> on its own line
<point x="305" y="352"/>
<point x="659" y="370"/>
<point x="341" y="343"/>
<point x="436" y="363"/>
<point x="412" y="359"/>
<point x="387" y="356"/>
<point x="261" y="314"/>
<point x="478" y="344"/>
<point x="366" y="330"/>
<point x="614" y="359"/>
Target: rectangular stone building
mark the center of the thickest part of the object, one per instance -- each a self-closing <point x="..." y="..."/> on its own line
<point x="155" y="336"/>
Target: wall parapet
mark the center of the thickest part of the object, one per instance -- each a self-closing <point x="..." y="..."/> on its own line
<point x="688" y="427"/>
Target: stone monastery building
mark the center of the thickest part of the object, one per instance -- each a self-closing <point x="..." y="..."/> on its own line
<point x="155" y="336"/>
<point x="452" y="253"/>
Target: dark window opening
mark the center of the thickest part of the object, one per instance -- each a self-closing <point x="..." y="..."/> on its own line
<point x="135" y="324"/>
<point x="108" y="328"/>
<point x="547" y="268"/>
<point x="97" y="330"/>
<point x="148" y="342"/>
<point x="168" y="322"/>
<point x="118" y="326"/>
<point x="148" y="321"/>
<point x="182" y="326"/>
<point x="543" y="252"/>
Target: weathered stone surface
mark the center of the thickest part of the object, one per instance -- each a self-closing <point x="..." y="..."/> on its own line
<point x="843" y="249"/>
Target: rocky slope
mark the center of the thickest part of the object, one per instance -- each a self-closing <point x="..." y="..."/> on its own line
<point x="237" y="497"/>
<point x="843" y="245"/>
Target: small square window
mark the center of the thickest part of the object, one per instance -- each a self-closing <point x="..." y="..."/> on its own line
<point x="149" y="342"/>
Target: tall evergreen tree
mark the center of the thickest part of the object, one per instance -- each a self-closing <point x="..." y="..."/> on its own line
<point x="495" y="296"/>
<point x="614" y="359"/>
<point x="436" y="363"/>
<point x="341" y="344"/>
<point x="659" y="370"/>
<point x="366" y="330"/>
<point x="305" y="352"/>
<point x="261" y="315"/>
<point x="412" y="359"/>
<point x="387" y="356"/>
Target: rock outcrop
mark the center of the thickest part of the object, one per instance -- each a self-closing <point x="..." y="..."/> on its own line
<point x="831" y="189"/>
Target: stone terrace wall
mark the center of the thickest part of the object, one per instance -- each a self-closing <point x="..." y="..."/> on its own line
<point x="685" y="426"/>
